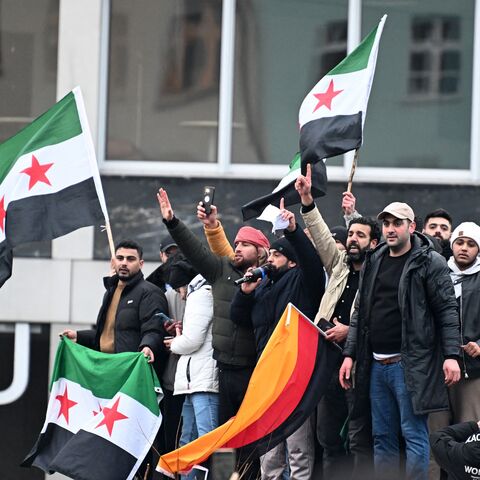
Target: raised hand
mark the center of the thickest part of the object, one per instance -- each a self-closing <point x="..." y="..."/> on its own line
<point x="164" y="204"/>
<point x="303" y="185"/>
<point x="210" y="220"/>
<point x="348" y="203"/>
<point x="287" y="215"/>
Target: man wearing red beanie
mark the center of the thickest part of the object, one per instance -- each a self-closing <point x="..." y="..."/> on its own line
<point x="233" y="345"/>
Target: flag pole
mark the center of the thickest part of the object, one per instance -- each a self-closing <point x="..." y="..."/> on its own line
<point x="110" y="237"/>
<point x="352" y="171"/>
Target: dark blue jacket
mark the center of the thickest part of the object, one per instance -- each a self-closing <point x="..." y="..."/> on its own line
<point x="302" y="285"/>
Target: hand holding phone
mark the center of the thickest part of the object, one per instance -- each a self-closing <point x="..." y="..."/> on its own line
<point x="208" y="196"/>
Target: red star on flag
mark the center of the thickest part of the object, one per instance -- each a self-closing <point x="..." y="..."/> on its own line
<point x="65" y="404"/>
<point x="36" y="172"/>
<point x="110" y="416"/>
<point x="326" y="97"/>
<point x="3" y="214"/>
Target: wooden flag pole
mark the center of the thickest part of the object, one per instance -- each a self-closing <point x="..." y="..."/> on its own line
<point x="352" y="171"/>
<point x="110" y="238"/>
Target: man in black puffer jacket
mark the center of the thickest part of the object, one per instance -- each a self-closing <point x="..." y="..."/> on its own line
<point x="298" y="278"/>
<point x="404" y="335"/>
<point x="127" y="320"/>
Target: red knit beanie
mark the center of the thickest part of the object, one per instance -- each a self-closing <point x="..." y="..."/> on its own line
<point x="253" y="236"/>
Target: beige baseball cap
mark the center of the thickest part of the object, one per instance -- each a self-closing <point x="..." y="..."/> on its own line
<point x="398" y="210"/>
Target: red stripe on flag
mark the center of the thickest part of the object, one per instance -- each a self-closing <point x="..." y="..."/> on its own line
<point x="291" y="395"/>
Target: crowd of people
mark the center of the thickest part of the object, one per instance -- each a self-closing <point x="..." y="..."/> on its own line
<point x="401" y="301"/>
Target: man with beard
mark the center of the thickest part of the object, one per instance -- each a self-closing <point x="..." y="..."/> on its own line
<point x="404" y="337"/>
<point x="438" y="224"/>
<point x="343" y="269"/>
<point x="233" y="345"/>
<point x="297" y="277"/>
<point x="127" y="320"/>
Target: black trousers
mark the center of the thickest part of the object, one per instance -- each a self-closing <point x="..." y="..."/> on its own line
<point x="233" y="383"/>
<point x="342" y="459"/>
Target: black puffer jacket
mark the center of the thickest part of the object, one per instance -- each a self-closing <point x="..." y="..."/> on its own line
<point x="233" y="345"/>
<point x="302" y="285"/>
<point x="135" y="323"/>
<point x="430" y="325"/>
<point x="469" y="321"/>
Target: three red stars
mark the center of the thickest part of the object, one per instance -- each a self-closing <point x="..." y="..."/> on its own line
<point x="326" y="97"/>
<point x="36" y="172"/>
<point x="3" y="214"/>
<point x="110" y="416"/>
<point x="65" y="404"/>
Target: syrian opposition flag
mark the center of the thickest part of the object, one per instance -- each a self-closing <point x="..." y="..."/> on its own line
<point x="102" y="415"/>
<point x="332" y="115"/>
<point x="286" y="189"/>
<point x="331" y="120"/>
<point x="291" y="376"/>
<point x="49" y="180"/>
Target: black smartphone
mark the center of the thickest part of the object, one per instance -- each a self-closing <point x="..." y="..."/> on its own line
<point x="208" y="196"/>
<point x="325" y="325"/>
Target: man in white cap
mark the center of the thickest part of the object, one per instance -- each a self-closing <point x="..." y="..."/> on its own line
<point x="465" y="273"/>
<point x="405" y="339"/>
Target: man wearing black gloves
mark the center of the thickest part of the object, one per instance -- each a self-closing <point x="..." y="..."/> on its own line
<point x="457" y="450"/>
<point x="298" y="278"/>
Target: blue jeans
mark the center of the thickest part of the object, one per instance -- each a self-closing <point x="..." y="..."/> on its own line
<point x="392" y="413"/>
<point x="200" y="416"/>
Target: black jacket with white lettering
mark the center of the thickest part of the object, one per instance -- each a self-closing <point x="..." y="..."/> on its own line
<point x="457" y="450"/>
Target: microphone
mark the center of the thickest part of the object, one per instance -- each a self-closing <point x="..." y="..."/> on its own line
<point x="259" y="272"/>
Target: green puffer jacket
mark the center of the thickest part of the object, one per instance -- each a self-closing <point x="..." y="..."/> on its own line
<point x="233" y="345"/>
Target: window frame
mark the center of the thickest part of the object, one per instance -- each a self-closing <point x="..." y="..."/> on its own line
<point x="224" y="166"/>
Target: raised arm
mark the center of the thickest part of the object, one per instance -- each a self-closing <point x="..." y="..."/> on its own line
<point x="202" y="259"/>
<point x="322" y="238"/>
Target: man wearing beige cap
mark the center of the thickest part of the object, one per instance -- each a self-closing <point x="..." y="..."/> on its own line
<point x="404" y="336"/>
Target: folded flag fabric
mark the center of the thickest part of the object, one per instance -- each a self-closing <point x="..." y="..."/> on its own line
<point x="332" y="115"/>
<point x="286" y="189"/>
<point x="49" y="180"/>
<point x="102" y="415"/>
<point x="291" y="376"/>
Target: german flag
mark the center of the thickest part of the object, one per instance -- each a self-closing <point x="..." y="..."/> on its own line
<point x="291" y="376"/>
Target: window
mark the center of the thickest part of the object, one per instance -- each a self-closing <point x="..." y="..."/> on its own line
<point x="163" y="80"/>
<point x="282" y="50"/>
<point x="420" y="109"/>
<point x="435" y="57"/>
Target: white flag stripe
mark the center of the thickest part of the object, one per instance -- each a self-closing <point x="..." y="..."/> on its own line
<point x="130" y="434"/>
<point x="70" y="166"/>
<point x="80" y="413"/>
<point x="350" y="101"/>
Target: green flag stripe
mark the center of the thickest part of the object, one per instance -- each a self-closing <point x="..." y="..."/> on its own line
<point x="56" y="125"/>
<point x="295" y="163"/>
<point x="358" y="59"/>
<point x="128" y="373"/>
